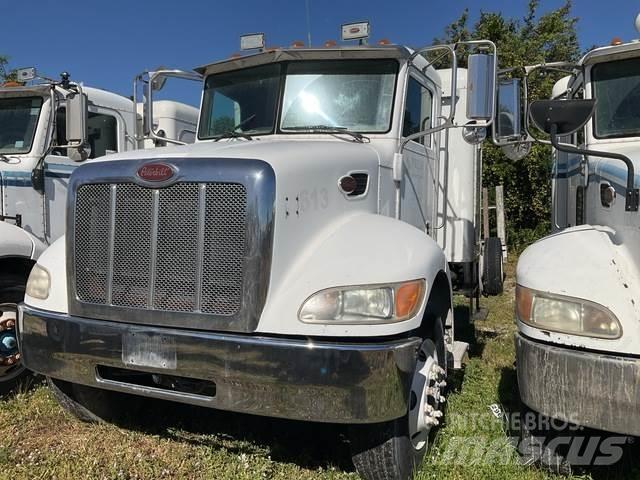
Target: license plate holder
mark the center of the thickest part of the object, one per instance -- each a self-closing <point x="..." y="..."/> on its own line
<point x="147" y="349"/>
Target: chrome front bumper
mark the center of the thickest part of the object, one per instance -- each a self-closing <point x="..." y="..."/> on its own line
<point x="594" y="390"/>
<point x="279" y="377"/>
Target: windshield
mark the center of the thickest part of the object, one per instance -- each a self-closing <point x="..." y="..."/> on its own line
<point x="356" y="95"/>
<point x="243" y="100"/>
<point x="18" y="121"/>
<point x="616" y="87"/>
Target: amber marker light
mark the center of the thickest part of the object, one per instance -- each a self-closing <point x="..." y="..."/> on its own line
<point x="524" y="301"/>
<point x="408" y="297"/>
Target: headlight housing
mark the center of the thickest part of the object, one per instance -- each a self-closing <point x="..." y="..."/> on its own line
<point x="367" y="304"/>
<point x="39" y="282"/>
<point x="566" y="315"/>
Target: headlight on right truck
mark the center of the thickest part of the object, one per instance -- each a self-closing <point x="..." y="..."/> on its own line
<point x="39" y="283"/>
<point x="367" y="304"/>
<point x="569" y="315"/>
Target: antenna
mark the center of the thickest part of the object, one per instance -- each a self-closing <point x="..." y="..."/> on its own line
<point x="638" y="23"/>
<point x="306" y="3"/>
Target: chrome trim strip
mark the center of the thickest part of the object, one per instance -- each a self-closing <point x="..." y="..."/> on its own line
<point x="202" y="205"/>
<point x="302" y="379"/>
<point x="154" y="246"/>
<point x="259" y="180"/>
<point x="112" y="229"/>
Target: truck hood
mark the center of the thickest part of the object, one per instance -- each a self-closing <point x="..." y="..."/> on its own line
<point x="276" y="151"/>
<point x="308" y="206"/>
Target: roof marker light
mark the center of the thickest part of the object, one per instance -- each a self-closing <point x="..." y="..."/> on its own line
<point x="252" y="41"/>
<point x="25" y="74"/>
<point x="616" y="41"/>
<point x="355" y="31"/>
<point x="384" y="41"/>
<point x="297" y="44"/>
<point x="330" y="44"/>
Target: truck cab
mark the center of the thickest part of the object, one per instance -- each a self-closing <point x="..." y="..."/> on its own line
<point x="286" y="264"/>
<point x="577" y="304"/>
<point x="36" y="161"/>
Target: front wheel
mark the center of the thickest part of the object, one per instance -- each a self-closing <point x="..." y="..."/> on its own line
<point x="393" y="450"/>
<point x="12" y="372"/>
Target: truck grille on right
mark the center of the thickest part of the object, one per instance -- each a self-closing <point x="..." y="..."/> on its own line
<point x="177" y="249"/>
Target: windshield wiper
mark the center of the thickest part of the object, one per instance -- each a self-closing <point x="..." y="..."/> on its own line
<point x="358" y="137"/>
<point x="233" y="133"/>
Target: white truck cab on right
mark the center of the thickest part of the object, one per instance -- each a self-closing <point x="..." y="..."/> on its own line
<point x="577" y="296"/>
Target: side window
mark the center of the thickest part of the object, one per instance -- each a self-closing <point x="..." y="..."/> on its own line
<point x="102" y="133"/>
<point x="417" y="112"/>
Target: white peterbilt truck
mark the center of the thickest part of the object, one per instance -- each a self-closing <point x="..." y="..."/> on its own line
<point x="38" y="153"/>
<point x="577" y="302"/>
<point x="287" y="264"/>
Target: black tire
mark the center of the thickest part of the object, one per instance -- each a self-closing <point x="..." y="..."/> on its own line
<point x="12" y="377"/>
<point x="492" y="275"/>
<point x="384" y="451"/>
<point x="94" y="405"/>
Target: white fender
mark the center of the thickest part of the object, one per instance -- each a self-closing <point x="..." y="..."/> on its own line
<point x="359" y="249"/>
<point x="54" y="260"/>
<point x="16" y="242"/>
<point x="591" y="263"/>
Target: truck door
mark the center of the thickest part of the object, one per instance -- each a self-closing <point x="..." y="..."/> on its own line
<point x="418" y="187"/>
<point x="105" y="133"/>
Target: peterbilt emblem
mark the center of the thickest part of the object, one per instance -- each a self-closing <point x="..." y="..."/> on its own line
<point x="155" y="172"/>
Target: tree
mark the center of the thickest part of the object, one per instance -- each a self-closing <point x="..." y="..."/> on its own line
<point x="530" y="40"/>
<point x="5" y="74"/>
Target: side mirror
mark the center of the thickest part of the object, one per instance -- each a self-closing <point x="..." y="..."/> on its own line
<point x="76" y="106"/>
<point x="509" y="111"/>
<point x="480" y="86"/>
<point x="77" y="113"/>
<point x="561" y="117"/>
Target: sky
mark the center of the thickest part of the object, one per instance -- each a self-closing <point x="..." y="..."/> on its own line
<point x="106" y="43"/>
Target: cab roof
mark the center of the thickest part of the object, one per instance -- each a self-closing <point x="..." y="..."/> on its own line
<point x="612" y="52"/>
<point x="272" y="55"/>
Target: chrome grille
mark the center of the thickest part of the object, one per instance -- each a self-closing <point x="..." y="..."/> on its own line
<point x="93" y="211"/>
<point x="181" y="248"/>
<point x="131" y="252"/>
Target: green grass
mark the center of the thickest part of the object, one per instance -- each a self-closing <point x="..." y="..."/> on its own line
<point x="39" y="440"/>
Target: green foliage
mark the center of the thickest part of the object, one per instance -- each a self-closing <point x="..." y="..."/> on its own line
<point x="5" y="74"/>
<point x="4" y="61"/>
<point x="530" y="40"/>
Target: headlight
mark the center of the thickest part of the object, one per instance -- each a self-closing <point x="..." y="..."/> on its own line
<point x="39" y="282"/>
<point x="565" y="315"/>
<point x="364" y="304"/>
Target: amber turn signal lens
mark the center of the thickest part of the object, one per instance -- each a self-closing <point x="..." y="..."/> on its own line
<point x="524" y="300"/>
<point x="408" y="297"/>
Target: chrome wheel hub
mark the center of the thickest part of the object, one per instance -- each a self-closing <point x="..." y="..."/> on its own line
<point x="426" y="395"/>
<point x="10" y="366"/>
